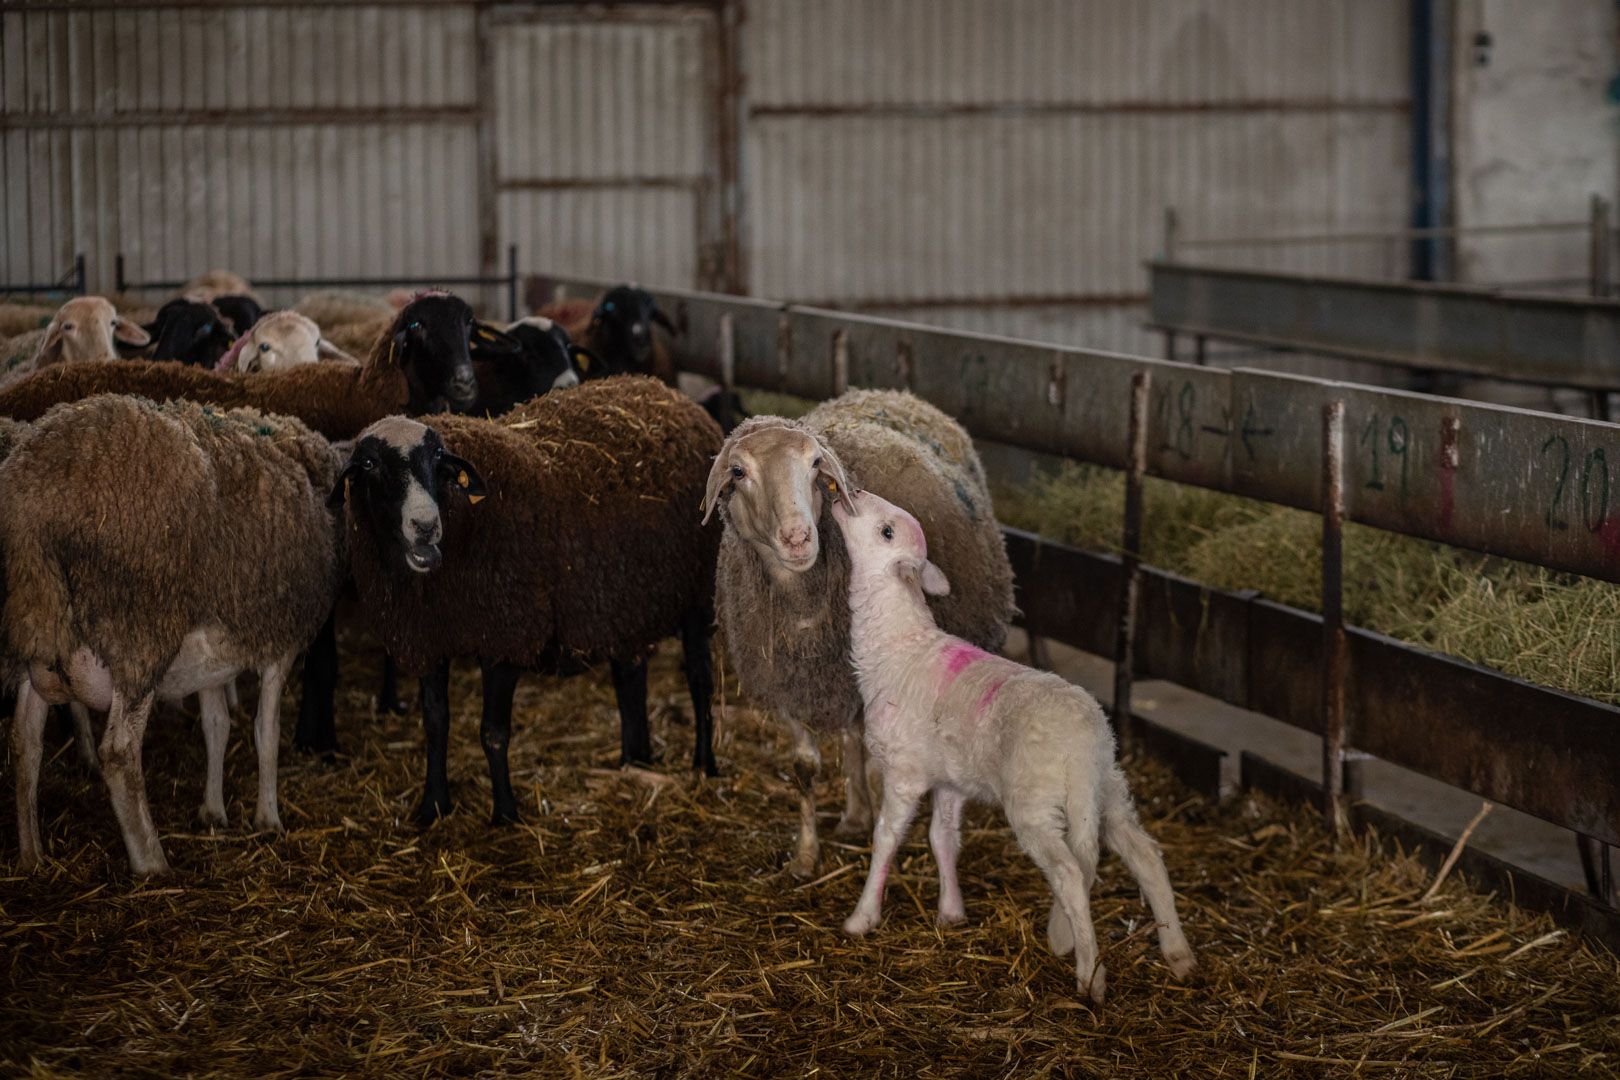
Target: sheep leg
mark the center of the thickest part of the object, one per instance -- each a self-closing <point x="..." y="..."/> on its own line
<point x="233" y="699"/>
<point x="1125" y="837"/>
<point x="857" y="818"/>
<point x="267" y="742"/>
<point x="945" y="837"/>
<point x="806" y="766"/>
<point x="699" y="664"/>
<point x="27" y="751"/>
<point x="1039" y="835"/>
<point x="85" y="736"/>
<point x="899" y="807"/>
<point x="388" y="699"/>
<point x="316" y="731"/>
<point x="630" y="687"/>
<point x="495" y="732"/>
<point x="126" y="783"/>
<point x="216" y="727"/>
<point x="435" y="694"/>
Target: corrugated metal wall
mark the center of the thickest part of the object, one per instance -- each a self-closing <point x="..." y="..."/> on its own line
<point x="1005" y="164"/>
<point x="335" y="140"/>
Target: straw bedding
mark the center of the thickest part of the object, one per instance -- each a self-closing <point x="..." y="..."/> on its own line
<point x="641" y="924"/>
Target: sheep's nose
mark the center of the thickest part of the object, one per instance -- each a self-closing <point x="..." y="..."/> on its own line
<point x="795" y="539"/>
<point x="426" y="529"/>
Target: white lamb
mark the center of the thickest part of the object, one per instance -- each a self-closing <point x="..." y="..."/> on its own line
<point x="947" y="717"/>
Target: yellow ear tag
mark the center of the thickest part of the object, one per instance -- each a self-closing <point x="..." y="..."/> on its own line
<point x="461" y="478"/>
<point x="583" y="360"/>
<point x="348" y="481"/>
<point x="475" y="499"/>
<point x="465" y="481"/>
<point x="832" y="485"/>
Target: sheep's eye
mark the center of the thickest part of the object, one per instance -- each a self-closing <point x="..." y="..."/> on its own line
<point x="888" y="532"/>
<point x="368" y="464"/>
<point x="67" y="326"/>
<point x="264" y="346"/>
<point x="816" y="464"/>
<point x="414" y="326"/>
<point x="737" y="471"/>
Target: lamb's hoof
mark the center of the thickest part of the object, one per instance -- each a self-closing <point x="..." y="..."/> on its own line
<point x="1181" y="963"/>
<point x="803" y="865"/>
<point x="28" y="862"/>
<point x="396" y="705"/>
<point x="853" y="828"/>
<point x="953" y="917"/>
<point x="430" y="810"/>
<point x="1097" y="989"/>
<point x="151" y="868"/>
<point x="860" y="924"/>
<point x="214" y="819"/>
<point x="707" y="767"/>
<point x="267" y="822"/>
<point x="645" y="760"/>
<point x="504" y="816"/>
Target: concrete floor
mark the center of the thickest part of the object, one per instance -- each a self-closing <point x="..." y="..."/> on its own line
<point x="1524" y="841"/>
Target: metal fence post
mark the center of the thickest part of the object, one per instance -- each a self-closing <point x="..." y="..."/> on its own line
<point x="511" y="283"/>
<point x="1333" y="639"/>
<point x="1172" y="228"/>
<point x="119" y="283"/>
<point x="728" y="353"/>
<point x="1600" y="247"/>
<point x="840" y="362"/>
<point x="1130" y="561"/>
<point x="79" y="283"/>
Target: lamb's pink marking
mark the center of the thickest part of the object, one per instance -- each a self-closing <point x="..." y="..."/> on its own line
<point x="958" y="655"/>
<point x="990" y="693"/>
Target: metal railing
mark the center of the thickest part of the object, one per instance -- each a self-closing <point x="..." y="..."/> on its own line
<point x="510" y="281"/>
<point x="72" y="282"/>
<point x="1530" y="486"/>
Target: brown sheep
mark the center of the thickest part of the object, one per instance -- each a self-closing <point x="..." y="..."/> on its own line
<point x="559" y="536"/>
<point x="84" y="328"/>
<point x="783" y="579"/>
<point x="157" y="551"/>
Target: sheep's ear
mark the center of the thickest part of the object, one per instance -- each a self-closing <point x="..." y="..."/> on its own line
<point x="340" y="491"/>
<point x="583" y="358"/>
<point x="459" y="472"/>
<point x="933" y="580"/>
<point x="50" y="346"/>
<point x="325" y="350"/>
<point x="128" y="333"/>
<point x="661" y="319"/>
<point x="486" y="338"/>
<point x="833" y="476"/>
<point x="719" y="481"/>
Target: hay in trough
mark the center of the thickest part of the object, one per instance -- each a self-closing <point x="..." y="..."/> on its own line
<point x="640" y="923"/>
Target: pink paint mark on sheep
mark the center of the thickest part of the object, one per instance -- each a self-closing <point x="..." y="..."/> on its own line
<point x="989" y="695"/>
<point x="957" y="656"/>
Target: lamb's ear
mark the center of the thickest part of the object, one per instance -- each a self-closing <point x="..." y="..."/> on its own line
<point x="460" y="472"/>
<point x="127" y="333"/>
<point x="340" y="490"/>
<point x="50" y="346"/>
<point x="833" y="476"/>
<point x="933" y="580"/>
<point x="657" y="316"/>
<point x="496" y="342"/>
<point x="325" y="350"/>
<point x="719" y="480"/>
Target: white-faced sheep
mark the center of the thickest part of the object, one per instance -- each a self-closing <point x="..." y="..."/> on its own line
<point x="84" y="328"/>
<point x="280" y="340"/>
<point x="528" y="545"/>
<point x="154" y="551"/>
<point x="945" y="717"/>
<point x="783" y="573"/>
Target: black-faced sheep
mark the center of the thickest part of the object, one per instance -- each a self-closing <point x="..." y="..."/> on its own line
<point x="619" y="330"/>
<point x="157" y="551"/>
<point x="548" y="361"/>
<point x="560" y="536"/>
<point x="190" y="332"/>
<point x="784" y="573"/>
<point x="946" y="718"/>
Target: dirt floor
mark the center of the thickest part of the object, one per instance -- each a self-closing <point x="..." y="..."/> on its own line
<point x="641" y="924"/>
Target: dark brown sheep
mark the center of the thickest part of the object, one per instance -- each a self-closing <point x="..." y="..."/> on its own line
<point x="784" y="573"/>
<point x="157" y="551"/>
<point x="560" y="536"/>
<point x="620" y="330"/>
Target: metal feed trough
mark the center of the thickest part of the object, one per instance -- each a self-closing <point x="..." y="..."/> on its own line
<point x="1530" y="486"/>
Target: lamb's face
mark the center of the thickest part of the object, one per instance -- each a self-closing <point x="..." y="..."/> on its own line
<point x="622" y="324"/>
<point x="394" y="486"/>
<point x="549" y="361"/>
<point x="281" y="340"/>
<point x="883" y="540"/>
<point x="88" y="328"/>
<point x="775" y="479"/>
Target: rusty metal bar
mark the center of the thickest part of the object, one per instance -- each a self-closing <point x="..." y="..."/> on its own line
<point x="1131" y="559"/>
<point x="600" y="183"/>
<point x="1601" y="274"/>
<point x="1382" y="235"/>
<point x="324" y="116"/>
<point x="944" y="110"/>
<point x="512" y="282"/>
<point x="72" y="281"/>
<point x="123" y="284"/>
<point x="1010" y="301"/>
<point x="1333" y="640"/>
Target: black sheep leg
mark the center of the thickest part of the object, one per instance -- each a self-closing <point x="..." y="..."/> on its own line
<point x="500" y="680"/>
<point x="388" y="699"/>
<point x="630" y="686"/>
<point x="436" y="726"/>
<point x="698" y="663"/>
<point x="317" y="732"/>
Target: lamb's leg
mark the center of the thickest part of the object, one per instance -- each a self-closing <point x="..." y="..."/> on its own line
<point x="27" y="751"/>
<point x="85" y="736"/>
<point x="699" y="664"/>
<point x="316" y="731"/>
<point x="233" y="699"/>
<point x="495" y="732"/>
<point x="388" y="699"/>
<point x="857" y="819"/>
<point x="435" y="695"/>
<point x="216" y="728"/>
<point x="806" y="766"/>
<point x="1125" y="837"/>
<point x="630" y="688"/>
<point x="900" y="801"/>
<point x="267" y="742"/>
<point x="1038" y="831"/>
<point x="121" y="769"/>
<point x="945" y="837"/>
